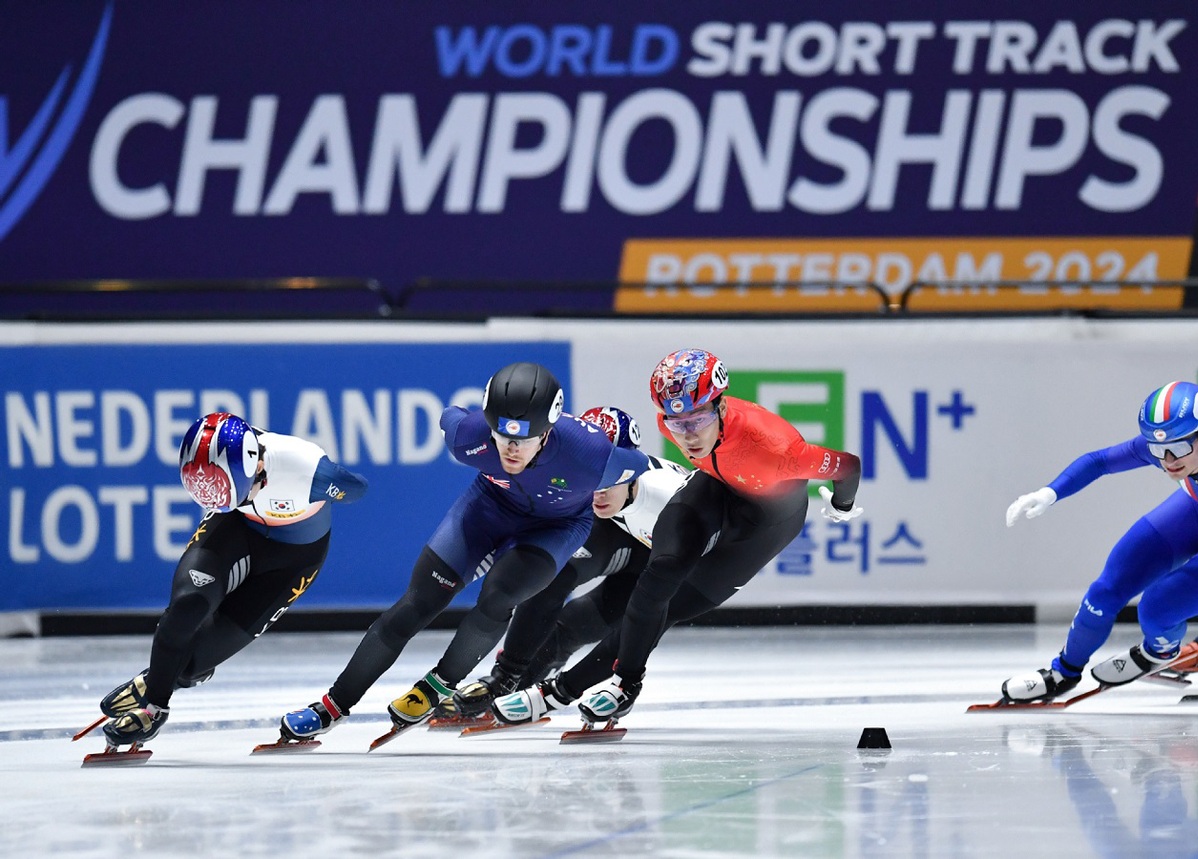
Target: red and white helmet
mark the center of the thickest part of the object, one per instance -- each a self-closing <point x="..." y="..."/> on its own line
<point x="218" y="461"/>
<point x="686" y="379"/>
<point x="620" y="426"/>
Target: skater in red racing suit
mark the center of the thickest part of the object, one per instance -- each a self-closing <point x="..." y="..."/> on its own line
<point x="746" y="502"/>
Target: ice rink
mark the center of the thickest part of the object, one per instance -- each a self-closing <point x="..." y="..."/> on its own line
<point x="744" y="742"/>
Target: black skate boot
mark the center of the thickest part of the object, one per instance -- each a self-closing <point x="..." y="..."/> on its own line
<point x="474" y="698"/>
<point x="136" y="726"/>
<point x="1042" y="685"/>
<point x="126" y="697"/>
<point x="611" y="701"/>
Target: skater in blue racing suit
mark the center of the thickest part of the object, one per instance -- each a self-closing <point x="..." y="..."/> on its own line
<point x="1157" y="557"/>
<point x="537" y="471"/>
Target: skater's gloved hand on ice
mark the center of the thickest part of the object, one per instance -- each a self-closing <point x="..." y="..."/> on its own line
<point x="1031" y="505"/>
<point x="833" y="513"/>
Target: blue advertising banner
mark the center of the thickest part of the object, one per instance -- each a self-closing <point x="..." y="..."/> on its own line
<point x="695" y="142"/>
<point x="93" y="512"/>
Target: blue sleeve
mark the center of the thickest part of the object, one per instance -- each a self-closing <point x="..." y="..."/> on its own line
<point x="1110" y="460"/>
<point x="451" y="419"/>
<point x="331" y="482"/>
<point x="464" y="430"/>
<point x="623" y="466"/>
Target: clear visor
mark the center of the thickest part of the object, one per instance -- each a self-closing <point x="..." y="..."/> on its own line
<point x="1178" y="448"/>
<point x="503" y="441"/>
<point x="691" y="423"/>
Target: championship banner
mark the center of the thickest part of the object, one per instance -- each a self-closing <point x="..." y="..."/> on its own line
<point x="695" y="144"/>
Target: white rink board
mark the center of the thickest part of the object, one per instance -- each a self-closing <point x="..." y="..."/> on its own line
<point x="1041" y="391"/>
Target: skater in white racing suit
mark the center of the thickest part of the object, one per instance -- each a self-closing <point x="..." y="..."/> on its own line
<point x="264" y="536"/>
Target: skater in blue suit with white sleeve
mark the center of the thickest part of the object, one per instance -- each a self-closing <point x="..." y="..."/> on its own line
<point x="1155" y="558"/>
<point x="537" y="472"/>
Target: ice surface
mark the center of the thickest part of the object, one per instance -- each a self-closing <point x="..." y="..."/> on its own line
<point x="744" y="742"/>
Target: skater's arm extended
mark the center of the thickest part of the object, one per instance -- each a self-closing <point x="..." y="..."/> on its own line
<point x="1079" y="474"/>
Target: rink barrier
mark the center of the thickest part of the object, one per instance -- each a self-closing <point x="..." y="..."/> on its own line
<point x="299" y="298"/>
<point x="62" y="623"/>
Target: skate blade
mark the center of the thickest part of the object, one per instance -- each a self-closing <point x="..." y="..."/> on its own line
<point x="1169" y="677"/>
<point x="112" y="757"/>
<point x="590" y="734"/>
<point x="285" y="746"/>
<point x="1007" y="704"/>
<point x="389" y="736"/>
<point x="496" y="725"/>
<point x="458" y="723"/>
<point x="1188" y="699"/>
<point x="100" y="721"/>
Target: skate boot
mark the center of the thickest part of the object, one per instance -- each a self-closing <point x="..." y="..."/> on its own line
<point x="418" y="703"/>
<point x="317" y="718"/>
<point x="1042" y="685"/>
<point x="474" y="698"/>
<point x="1130" y="666"/>
<point x="136" y="726"/>
<point x="529" y="705"/>
<point x="187" y="681"/>
<point x="445" y="710"/>
<point x="612" y="701"/>
<point x="126" y="697"/>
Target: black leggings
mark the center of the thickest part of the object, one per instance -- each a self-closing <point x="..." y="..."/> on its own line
<point x="708" y="543"/>
<point x="546" y="630"/>
<point x="515" y="575"/>
<point x="229" y="587"/>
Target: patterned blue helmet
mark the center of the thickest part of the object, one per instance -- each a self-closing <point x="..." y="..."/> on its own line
<point x="218" y="461"/>
<point x="1170" y="413"/>
<point x="619" y="425"/>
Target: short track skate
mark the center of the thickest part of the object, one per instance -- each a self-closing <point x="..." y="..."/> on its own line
<point x="113" y="756"/>
<point x="609" y="733"/>
<point x="1171" y="673"/>
<point x="494" y="724"/>
<point x="391" y="735"/>
<point x="1008" y="704"/>
<point x="460" y="723"/>
<point x="285" y="745"/>
<point x="100" y="721"/>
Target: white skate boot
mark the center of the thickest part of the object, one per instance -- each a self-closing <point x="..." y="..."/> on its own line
<point x="1129" y="666"/>
<point x="529" y="705"/>
<point x="1042" y="685"/>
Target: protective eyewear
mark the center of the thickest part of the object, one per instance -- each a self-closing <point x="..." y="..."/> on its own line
<point x="691" y="423"/>
<point x="1178" y="448"/>
<point x="502" y="441"/>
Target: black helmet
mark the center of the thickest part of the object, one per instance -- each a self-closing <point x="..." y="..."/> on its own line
<point x="522" y="400"/>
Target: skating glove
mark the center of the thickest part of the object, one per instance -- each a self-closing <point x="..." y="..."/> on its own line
<point x="832" y="513"/>
<point x="1031" y="505"/>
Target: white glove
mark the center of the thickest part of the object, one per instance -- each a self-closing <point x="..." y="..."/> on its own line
<point x="832" y="513"/>
<point x="1031" y="505"/>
